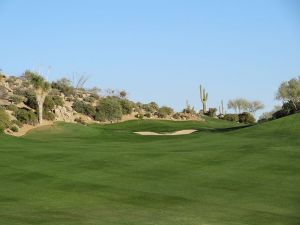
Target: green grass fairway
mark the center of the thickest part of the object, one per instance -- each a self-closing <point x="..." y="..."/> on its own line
<point x="222" y="175"/>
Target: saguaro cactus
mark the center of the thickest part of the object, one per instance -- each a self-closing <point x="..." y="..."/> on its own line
<point x="222" y="108"/>
<point x="204" y="98"/>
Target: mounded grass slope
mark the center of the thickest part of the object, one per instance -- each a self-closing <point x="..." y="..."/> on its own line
<point x="223" y="174"/>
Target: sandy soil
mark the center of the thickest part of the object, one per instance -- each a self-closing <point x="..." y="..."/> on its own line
<point x="22" y="131"/>
<point x="181" y="132"/>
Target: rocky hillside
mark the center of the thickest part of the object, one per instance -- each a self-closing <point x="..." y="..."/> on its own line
<point x="64" y="102"/>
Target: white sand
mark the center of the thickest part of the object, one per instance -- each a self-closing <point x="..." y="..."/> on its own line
<point x="181" y="132"/>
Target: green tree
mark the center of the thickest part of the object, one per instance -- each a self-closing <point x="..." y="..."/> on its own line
<point x="41" y="89"/>
<point x="254" y="106"/>
<point x="123" y="94"/>
<point x="238" y="105"/>
<point x="289" y="91"/>
<point x="243" y="105"/>
<point x="246" y="117"/>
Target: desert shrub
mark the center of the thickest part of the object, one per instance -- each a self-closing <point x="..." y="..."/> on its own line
<point x="150" y="107"/>
<point x="127" y="106"/>
<point x="212" y="112"/>
<point x="288" y="108"/>
<point x="189" y="110"/>
<point x="95" y="96"/>
<point x="165" y="111"/>
<point x="54" y="92"/>
<point x="231" y="117"/>
<point x="176" y="116"/>
<point x="139" y="116"/>
<point x="147" y="108"/>
<point x="64" y="86"/>
<point x="49" y="104"/>
<point x="48" y="115"/>
<point x="31" y="101"/>
<point x="89" y="99"/>
<point x="80" y="120"/>
<point x="3" y="92"/>
<point x="26" y="116"/>
<point x="14" y="129"/>
<point x="17" y="122"/>
<point x="148" y="115"/>
<point x="16" y="99"/>
<point x="25" y="92"/>
<point x="4" y="120"/>
<point x="246" y="117"/>
<point x="13" y="108"/>
<point x="11" y="80"/>
<point x="108" y="109"/>
<point x="267" y="116"/>
<point x="79" y="106"/>
<point x="139" y="105"/>
<point x="58" y="101"/>
<point x="84" y="108"/>
<point x="154" y="106"/>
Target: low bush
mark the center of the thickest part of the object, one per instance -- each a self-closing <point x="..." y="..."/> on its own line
<point x="177" y="116"/>
<point x="49" y="104"/>
<point x="14" y="129"/>
<point x="95" y="96"/>
<point x="58" y="101"/>
<point x="16" y="99"/>
<point x="84" y="108"/>
<point x="48" y="115"/>
<point x="288" y="108"/>
<point x="80" y="120"/>
<point x="31" y="101"/>
<point x="139" y="116"/>
<point x="247" y="118"/>
<point x="64" y="86"/>
<point x="4" y="120"/>
<point x="3" y="92"/>
<point x="150" y="107"/>
<point x="231" y="117"/>
<point x="18" y="123"/>
<point x="127" y="106"/>
<point x="26" y="116"/>
<point x="148" y="115"/>
<point x="13" y="108"/>
<point x="89" y="99"/>
<point x="165" y="111"/>
<point x="108" y="109"/>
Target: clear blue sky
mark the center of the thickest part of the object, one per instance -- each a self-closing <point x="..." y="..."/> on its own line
<point x="158" y="50"/>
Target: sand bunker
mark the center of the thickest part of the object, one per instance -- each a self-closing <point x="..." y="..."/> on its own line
<point x="181" y="132"/>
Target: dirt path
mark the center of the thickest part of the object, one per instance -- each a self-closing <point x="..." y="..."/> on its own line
<point x="181" y="132"/>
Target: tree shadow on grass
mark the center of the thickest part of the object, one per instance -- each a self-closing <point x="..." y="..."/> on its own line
<point x="228" y="129"/>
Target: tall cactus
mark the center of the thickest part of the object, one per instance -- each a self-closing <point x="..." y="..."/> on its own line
<point x="204" y="98"/>
<point x="222" y="108"/>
